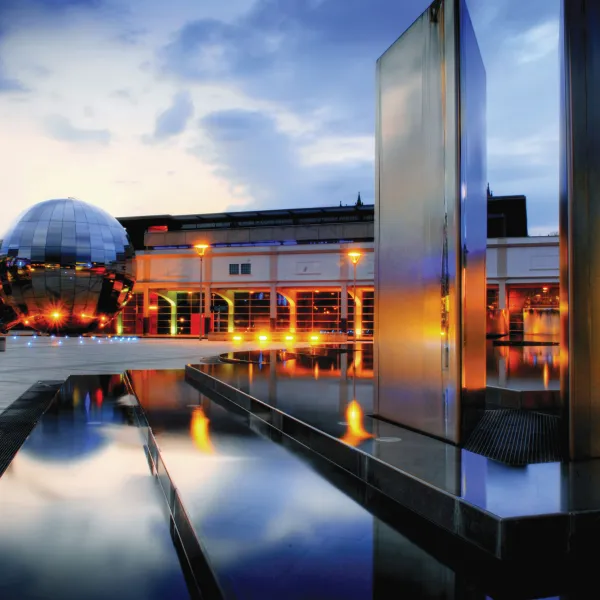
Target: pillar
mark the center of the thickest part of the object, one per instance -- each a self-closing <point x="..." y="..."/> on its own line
<point x="344" y="308"/>
<point x="228" y="296"/>
<point x="502" y="306"/>
<point x="273" y="308"/>
<point x="146" y="311"/>
<point x="580" y="227"/>
<point x="171" y="297"/>
<point x="358" y="313"/>
<point x="501" y="295"/>
<point x="430" y="207"/>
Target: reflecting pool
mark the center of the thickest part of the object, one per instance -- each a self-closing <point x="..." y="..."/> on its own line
<point x="80" y="517"/>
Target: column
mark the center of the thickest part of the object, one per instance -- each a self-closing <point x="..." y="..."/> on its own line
<point x="580" y="226"/>
<point x="228" y="296"/>
<point x="172" y="299"/>
<point x="358" y="313"/>
<point x="502" y="295"/>
<point x="292" y="300"/>
<point x="344" y="308"/>
<point x="146" y="311"/>
<point x="273" y="307"/>
<point x="502" y="307"/>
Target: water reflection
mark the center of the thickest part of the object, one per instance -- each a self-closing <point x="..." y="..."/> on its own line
<point x="515" y="367"/>
<point x="79" y="515"/>
<point x="271" y="526"/>
<point x="356" y="432"/>
<point x="199" y="431"/>
<point x="523" y="367"/>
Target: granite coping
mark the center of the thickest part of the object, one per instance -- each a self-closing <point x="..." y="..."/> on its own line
<point x="562" y="533"/>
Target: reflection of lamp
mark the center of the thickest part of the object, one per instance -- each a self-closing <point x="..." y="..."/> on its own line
<point x="200" y="250"/>
<point x="356" y="433"/>
<point x="199" y="431"/>
<point x="354" y="257"/>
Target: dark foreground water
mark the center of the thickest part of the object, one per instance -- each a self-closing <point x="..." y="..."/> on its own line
<point x="81" y="517"/>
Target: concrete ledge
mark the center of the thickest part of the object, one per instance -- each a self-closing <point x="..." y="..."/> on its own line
<point x="510" y="539"/>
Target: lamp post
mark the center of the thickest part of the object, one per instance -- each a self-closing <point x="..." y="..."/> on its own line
<point x="200" y="250"/>
<point x="354" y="257"/>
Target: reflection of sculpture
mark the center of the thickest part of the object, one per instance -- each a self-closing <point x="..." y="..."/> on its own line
<point x="63" y="267"/>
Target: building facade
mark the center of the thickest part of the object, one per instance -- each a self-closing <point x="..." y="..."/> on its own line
<point x="288" y="273"/>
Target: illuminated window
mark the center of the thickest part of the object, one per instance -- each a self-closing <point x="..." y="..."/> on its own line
<point x="246" y="269"/>
<point x="234" y="269"/>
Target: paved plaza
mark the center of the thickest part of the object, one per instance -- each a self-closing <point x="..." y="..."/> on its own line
<point x="31" y="359"/>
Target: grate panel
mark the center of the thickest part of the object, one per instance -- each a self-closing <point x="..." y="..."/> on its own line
<point x="517" y="437"/>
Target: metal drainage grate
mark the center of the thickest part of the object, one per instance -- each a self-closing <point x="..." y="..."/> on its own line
<point x="19" y="419"/>
<point x="517" y="437"/>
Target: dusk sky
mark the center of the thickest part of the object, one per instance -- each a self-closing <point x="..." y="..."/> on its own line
<point x="190" y="106"/>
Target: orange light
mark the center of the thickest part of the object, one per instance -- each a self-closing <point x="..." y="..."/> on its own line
<point x="356" y="432"/>
<point x="199" y="431"/>
<point x="181" y="320"/>
<point x="289" y="338"/>
<point x="153" y="307"/>
<point x="314" y="338"/>
<point x="201" y="249"/>
<point x="237" y="338"/>
<point x="354" y="256"/>
<point x="263" y="338"/>
<point x="103" y="319"/>
<point x="55" y="315"/>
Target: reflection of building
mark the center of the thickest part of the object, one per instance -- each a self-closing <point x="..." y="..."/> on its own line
<point x="287" y="271"/>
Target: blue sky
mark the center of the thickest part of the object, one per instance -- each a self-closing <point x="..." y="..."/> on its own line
<point x="144" y="106"/>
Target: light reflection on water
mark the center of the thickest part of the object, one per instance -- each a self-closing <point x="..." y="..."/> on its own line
<point x="271" y="526"/>
<point x="79" y="515"/>
<point x="523" y="367"/>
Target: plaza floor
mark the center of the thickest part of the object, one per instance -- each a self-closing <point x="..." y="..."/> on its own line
<point x="28" y="359"/>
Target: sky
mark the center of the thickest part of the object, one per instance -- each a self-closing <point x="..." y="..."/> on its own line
<point x="153" y="107"/>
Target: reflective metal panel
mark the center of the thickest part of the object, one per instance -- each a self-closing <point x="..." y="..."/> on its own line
<point x="580" y="225"/>
<point x="64" y="267"/>
<point x="473" y="211"/>
<point x="420" y="237"/>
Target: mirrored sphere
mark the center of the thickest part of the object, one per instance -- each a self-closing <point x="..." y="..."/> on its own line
<point x="65" y="266"/>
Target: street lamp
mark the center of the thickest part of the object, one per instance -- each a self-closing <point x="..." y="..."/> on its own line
<point x="200" y="250"/>
<point x="354" y="257"/>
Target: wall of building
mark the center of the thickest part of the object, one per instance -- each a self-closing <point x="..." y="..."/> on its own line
<point x="282" y="283"/>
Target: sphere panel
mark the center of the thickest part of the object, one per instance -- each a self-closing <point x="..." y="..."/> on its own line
<point x="65" y="265"/>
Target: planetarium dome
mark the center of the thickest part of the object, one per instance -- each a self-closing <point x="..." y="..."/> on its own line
<point x="64" y="267"/>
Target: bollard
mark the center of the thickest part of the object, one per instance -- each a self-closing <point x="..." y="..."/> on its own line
<point x="2" y="343"/>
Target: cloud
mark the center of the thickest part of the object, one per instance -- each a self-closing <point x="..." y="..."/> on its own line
<point x="88" y="111"/>
<point x="257" y="159"/>
<point x="174" y="119"/>
<point x="123" y="94"/>
<point x="130" y="37"/>
<point x="301" y="55"/>
<point x="60" y="128"/>
<point x="537" y="43"/>
<point x="8" y="84"/>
